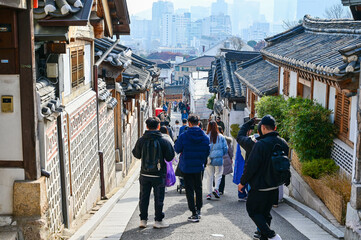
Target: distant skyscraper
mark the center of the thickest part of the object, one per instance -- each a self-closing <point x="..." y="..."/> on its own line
<point x="219" y="7"/>
<point x="284" y="10"/>
<point x="199" y="12"/>
<point x="158" y="10"/>
<point x="175" y="30"/>
<point x="244" y="13"/>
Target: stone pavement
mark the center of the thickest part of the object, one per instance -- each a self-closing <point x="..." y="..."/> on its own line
<point x="225" y="218"/>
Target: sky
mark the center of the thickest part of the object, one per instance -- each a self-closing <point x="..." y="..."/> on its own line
<point x="145" y="6"/>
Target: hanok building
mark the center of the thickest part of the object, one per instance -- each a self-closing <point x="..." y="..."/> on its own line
<point x="260" y="78"/>
<point x="230" y="92"/>
<point x="134" y="77"/>
<point x="185" y="69"/>
<point x="59" y="157"/>
<point x="319" y="60"/>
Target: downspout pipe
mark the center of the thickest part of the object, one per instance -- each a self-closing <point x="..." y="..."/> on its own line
<point x="96" y="89"/>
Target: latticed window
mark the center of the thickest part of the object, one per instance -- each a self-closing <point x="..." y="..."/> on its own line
<point x="286" y="82"/>
<point x="77" y="66"/>
<point x="342" y="115"/>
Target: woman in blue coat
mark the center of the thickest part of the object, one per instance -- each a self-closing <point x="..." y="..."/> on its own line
<point x="214" y="169"/>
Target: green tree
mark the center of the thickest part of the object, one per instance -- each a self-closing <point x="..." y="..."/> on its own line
<point x="210" y="103"/>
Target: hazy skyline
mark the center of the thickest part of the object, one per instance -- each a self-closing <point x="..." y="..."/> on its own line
<point x="144" y="6"/>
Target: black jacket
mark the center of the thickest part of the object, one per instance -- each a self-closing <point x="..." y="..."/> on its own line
<point x="166" y="146"/>
<point x="243" y="140"/>
<point x="258" y="169"/>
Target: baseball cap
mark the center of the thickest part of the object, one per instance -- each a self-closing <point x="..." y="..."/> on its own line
<point x="268" y="120"/>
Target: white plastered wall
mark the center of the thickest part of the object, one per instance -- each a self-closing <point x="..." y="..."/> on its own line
<point x="353" y="120"/>
<point x="293" y="84"/>
<point x="319" y="92"/>
<point x="280" y="90"/>
<point x="331" y="103"/>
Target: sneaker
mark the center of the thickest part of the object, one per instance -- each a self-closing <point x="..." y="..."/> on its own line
<point x="199" y="214"/>
<point x="216" y="193"/>
<point x="209" y="197"/>
<point x="143" y="224"/>
<point x="277" y="237"/>
<point x="275" y="206"/>
<point x="160" y="224"/>
<point x="194" y="218"/>
<point x="242" y="199"/>
<point x="257" y="235"/>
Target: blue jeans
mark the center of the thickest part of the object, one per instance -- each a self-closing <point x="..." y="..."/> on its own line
<point x="146" y="185"/>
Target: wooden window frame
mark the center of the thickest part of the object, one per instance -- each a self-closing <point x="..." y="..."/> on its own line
<point x="77" y="66"/>
<point x="286" y="82"/>
<point x="342" y="115"/>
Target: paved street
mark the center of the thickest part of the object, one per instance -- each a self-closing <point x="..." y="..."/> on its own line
<point x="226" y="218"/>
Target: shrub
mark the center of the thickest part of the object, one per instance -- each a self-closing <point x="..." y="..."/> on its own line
<point x="319" y="167"/>
<point x="309" y="129"/>
<point x="275" y="106"/>
<point x="210" y="103"/>
<point x="234" y="130"/>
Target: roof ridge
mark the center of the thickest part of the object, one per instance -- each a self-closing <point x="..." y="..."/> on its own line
<point x="345" y="26"/>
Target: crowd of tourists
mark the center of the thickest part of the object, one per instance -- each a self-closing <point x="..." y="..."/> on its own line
<point x="209" y="154"/>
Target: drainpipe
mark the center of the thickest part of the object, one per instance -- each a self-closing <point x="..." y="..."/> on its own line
<point x="100" y="153"/>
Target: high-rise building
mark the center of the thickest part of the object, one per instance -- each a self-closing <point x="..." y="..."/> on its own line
<point x="199" y="12"/>
<point x="220" y="25"/>
<point x="158" y="10"/>
<point x="219" y="7"/>
<point x="175" y="30"/>
<point x="244" y="13"/>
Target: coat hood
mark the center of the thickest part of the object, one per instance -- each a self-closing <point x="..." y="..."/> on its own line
<point x="152" y="134"/>
<point x="195" y="134"/>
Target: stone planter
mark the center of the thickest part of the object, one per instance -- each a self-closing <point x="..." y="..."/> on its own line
<point x="333" y="200"/>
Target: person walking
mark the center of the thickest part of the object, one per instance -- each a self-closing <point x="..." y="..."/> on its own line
<point x="176" y="127"/>
<point x="227" y="162"/>
<point x="220" y="123"/>
<point x="214" y="169"/>
<point x="184" y="127"/>
<point x="259" y="173"/>
<point x="184" y="114"/>
<point x="153" y="148"/>
<point x="193" y="145"/>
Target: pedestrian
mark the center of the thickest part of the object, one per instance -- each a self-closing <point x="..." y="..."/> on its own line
<point x="227" y="162"/>
<point x="193" y="145"/>
<point x="170" y="131"/>
<point x="246" y="140"/>
<point x="220" y="123"/>
<point x="175" y="104"/>
<point x="184" y="127"/>
<point x="259" y="173"/>
<point x="166" y="117"/>
<point x="184" y="114"/>
<point x="165" y="108"/>
<point x="176" y="127"/>
<point x="153" y="149"/>
<point x="214" y="169"/>
<point x="165" y="133"/>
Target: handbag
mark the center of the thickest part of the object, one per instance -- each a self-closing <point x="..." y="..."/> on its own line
<point x="170" y="178"/>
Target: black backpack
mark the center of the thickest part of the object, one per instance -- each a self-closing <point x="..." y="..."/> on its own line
<point x="151" y="156"/>
<point x="281" y="165"/>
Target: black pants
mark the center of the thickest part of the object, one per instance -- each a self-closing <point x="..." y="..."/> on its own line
<point x="259" y="205"/>
<point x="222" y="184"/>
<point x="146" y="185"/>
<point x="193" y="184"/>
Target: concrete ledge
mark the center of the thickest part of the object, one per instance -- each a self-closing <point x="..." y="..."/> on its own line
<point x="315" y="217"/>
<point x="86" y="230"/>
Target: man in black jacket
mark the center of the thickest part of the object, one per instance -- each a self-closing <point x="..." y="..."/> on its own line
<point x="153" y="148"/>
<point x="258" y="172"/>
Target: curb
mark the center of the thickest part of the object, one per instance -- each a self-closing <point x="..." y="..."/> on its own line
<point x="90" y="225"/>
<point x="315" y="217"/>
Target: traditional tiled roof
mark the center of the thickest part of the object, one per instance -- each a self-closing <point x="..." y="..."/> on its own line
<point x="259" y="75"/>
<point x="173" y="90"/>
<point x="204" y="61"/>
<point x="351" y="2"/>
<point x="239" y="56"/>
<point x="224" y="80"/>
<point x="326" y="47"/>
<point x="78" y="13"/>
<point x="138" y="72"/>
<point x="48" y="101"/>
